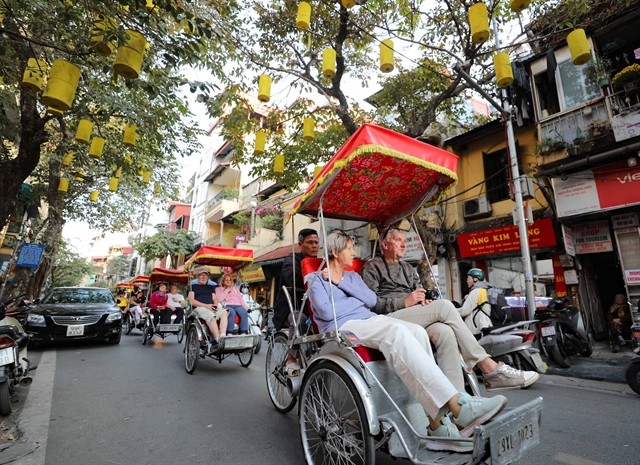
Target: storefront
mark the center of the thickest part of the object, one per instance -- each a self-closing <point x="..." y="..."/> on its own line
<point x="599" y="212"/>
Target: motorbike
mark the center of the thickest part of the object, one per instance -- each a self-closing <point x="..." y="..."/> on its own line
<point x="512" y="344"/>
<point x="633" y="370"/>
<point x="14" y="364"/>
<point x="562" y="332"/>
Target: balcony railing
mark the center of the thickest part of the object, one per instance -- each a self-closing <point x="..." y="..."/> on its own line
<point x="570" y="125"/>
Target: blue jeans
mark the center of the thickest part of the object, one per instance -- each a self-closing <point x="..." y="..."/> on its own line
<point x="244" y="318"/>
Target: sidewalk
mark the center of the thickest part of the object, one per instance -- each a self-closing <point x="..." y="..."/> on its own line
<point x="603" y="365"/>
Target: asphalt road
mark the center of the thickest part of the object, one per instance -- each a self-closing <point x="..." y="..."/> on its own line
<point x="134" y="404"/>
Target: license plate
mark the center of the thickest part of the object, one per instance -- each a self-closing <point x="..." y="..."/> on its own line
<point x="75" y="330"/>
<point x="169" y="328"/>
<point x="513" y="433"/>
<point x="513" y="443"/>
<point x="7" y="356"/>
<point x="548" y="330"/>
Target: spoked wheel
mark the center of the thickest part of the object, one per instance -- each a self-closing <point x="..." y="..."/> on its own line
<point x="180" y="334"/>
<point x="191" y="350"/>
<point x="333" y="423"/>
<point x="276" y="374"/>
<point x="146" y="333"/>
<point x="246" y="357"/>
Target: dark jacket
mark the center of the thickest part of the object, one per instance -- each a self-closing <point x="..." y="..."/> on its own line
<point x="281" y="309"/>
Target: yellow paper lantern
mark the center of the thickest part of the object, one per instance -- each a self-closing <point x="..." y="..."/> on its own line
<point x="303" y="19"/>
<point x="130" y="134"/>
<point x="83" y="133"/>
<point x="118" y="173"/>
<point x="128" y="159"/>
<point x="504" y="73"/>
<point x="113" y="184"/>
<point x="579" y="47"/>
<point x="261" y="141"/>
<point x="479" y="22"/>
<point x="278" y="164"/>
<point x="151" y="8"/>
<point x="34" y="74"/>
<point x="348" y="3"/>
<point x="129" y="57"/>
<point x="329" y="63"/>
<point x="63" y="185"/>
<point x="264" y="88"/>
<point x="146" y="176"/>
<point x="55" y="112"/>
<point x="97" y="147"/>
<point x="308" y="129"/>
<point x="518" y="5"/>
<point x="386" y="56"/>
<point x="102" y="44"/>
<point x="62" y="85"/>
<point x="93" y="196"/>
<point x="68" y="158"/>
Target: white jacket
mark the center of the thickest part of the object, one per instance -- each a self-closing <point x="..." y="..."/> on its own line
<point x="467" y="311"/>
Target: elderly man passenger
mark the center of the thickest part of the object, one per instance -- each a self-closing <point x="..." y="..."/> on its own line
<point x="405" y="345"/>
<point x="400" y="295"/>
<point x="202" y="298"/>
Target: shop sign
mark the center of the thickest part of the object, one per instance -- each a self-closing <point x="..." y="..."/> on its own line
<point x="603" y="188"/>
<point x="29" y="255"/>
<point x="506" y="239"/>
<point x="238" y="238"/>
<point x="592" y="237"/>
<point x="632" y="276"/>
<point x="625" y="220"/>
<point x="558" y="276"/>
<point x="571" y="277"/>
<point x="252" y="274"/>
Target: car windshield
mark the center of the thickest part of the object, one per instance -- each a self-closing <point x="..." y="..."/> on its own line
<point x="79" y="296"/>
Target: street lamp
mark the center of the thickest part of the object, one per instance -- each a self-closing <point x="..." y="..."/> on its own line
<point x="252" y="224"/>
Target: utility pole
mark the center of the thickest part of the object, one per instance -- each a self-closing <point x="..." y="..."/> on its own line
<point x="521" y="221"/>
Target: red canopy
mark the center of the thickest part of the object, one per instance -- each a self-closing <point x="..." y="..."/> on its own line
<point x="379" y="176"/>
<point x="139" y="279"/>
<point x="124" y="285"/>
<point x="220" y="256"/>
<point x="168" y="274"/>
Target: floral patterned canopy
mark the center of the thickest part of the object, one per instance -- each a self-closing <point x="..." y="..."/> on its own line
<point x="379" y="176"/>
<point x="220" y="256"/>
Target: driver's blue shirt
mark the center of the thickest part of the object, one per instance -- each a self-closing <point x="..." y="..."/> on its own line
<point x="203" y="293"/>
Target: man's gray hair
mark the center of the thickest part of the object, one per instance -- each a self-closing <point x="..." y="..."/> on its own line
<point x="337" y="241"/>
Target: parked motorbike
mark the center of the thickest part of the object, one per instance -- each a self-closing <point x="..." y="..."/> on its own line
<point x="562" y="332"/>
<point x="513" y="345"/>
<point x="14" y="364"/>
<point x="633" y="370"/>
<point x="255" y="324"/>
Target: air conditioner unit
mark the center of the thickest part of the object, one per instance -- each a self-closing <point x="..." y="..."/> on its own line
<point x="477" y="207"/>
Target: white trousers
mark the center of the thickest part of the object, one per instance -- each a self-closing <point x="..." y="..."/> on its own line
<point x="449" y="334"/>
<point x="406" y="346"/>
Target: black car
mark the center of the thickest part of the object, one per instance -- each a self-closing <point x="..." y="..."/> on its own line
<point x="75" y="313"/>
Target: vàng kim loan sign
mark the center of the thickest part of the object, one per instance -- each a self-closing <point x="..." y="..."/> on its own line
<point x="505" y="239"/>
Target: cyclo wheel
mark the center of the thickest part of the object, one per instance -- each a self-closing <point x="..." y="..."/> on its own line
<point x="191" y="350"/>
<point x="145" y="332"/>
<point x="180" y="334"/>
<point x="246" y="357"/>
<point x="276" y="374"/>
<point x="333" y="423"/>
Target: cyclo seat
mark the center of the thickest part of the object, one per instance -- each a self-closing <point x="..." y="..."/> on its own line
<point x="311" y="265"/>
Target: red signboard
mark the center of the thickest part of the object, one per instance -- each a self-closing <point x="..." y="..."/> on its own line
<point x="558" y="277"/>
<point x="505" y="239"/>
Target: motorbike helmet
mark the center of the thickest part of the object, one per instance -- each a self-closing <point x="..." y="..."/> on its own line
<point x="556" y="304"/>
<point x="476" y="273"/>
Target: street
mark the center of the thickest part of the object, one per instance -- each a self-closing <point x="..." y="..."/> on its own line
<point x="134" y="404"/>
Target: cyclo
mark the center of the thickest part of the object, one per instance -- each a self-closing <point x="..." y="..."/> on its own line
<point x="351" y="402"/>
<point x="163" y="330"/>
<point x="196" y="329"/>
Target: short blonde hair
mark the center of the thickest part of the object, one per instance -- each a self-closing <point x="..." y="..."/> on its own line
<point x="337" y="241"/>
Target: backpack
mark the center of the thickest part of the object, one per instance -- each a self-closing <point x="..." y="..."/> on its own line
<point x="499" y="306"/>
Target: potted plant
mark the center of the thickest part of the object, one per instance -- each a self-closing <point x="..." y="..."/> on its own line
<point x="544" y="147"/>
<point x="628" y="75"/>
<point x="601" y="68"/>
<point x="271" y="216"/>
<point x="598" y="128"/>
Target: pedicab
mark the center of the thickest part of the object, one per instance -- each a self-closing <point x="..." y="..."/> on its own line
<point x="198" y="334"/>
<point x="163" y="330"/>
<point x="351" y="402"/>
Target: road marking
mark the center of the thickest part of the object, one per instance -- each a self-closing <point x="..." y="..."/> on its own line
<point x="573" y="460"/>
<point x="35" y="417"/>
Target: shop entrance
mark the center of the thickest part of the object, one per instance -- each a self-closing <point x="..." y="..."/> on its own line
<point x="602" y="281"/>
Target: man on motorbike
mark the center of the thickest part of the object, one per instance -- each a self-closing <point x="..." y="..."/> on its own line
<point x="476" y="319"/>
<point x="400" y="295"/>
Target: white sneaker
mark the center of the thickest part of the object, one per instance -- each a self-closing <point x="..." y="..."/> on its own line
<point x="475" y="411"/>
<point x="505" y="377"/>
<point x="447" y="430"/>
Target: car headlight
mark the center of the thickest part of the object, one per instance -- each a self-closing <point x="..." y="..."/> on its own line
<point x="35" y="320"/>
<point x="114" y="317"/>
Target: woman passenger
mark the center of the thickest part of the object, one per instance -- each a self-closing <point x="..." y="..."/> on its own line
<point x="232" y="299"/>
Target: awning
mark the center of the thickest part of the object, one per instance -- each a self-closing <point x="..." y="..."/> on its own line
<point x="274" y="257"/>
